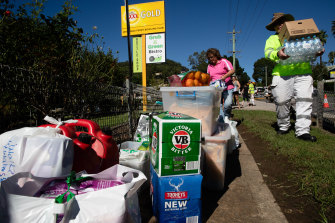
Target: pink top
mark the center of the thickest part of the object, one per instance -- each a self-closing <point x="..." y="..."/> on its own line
<point x="216" y="71"/>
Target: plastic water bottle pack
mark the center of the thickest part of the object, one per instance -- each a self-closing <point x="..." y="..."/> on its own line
<point x="301" y="50"/>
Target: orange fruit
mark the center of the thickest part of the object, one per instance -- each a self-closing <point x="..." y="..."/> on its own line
<point x="196" y="82"/>
<point x="189" y="83"/>
<point x="190" y="75"/>
<point x="197" y="75"/>
<point x="204" y="78"/>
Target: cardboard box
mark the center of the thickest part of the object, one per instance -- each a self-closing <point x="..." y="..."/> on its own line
<point x="175" y="144"/>
<point x="176" y="198"/>
<point x="297" y="29"/>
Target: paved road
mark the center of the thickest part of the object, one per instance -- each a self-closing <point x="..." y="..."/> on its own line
<point x="260" y="104"/>
<point x="247" y="199"/>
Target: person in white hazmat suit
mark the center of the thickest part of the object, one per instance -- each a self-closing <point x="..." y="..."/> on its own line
<point x="291" y="80"/>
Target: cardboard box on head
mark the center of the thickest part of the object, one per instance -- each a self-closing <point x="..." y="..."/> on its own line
<point x="297" y="29"/>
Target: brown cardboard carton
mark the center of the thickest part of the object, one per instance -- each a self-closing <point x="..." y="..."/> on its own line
<point x="297" y="29"/>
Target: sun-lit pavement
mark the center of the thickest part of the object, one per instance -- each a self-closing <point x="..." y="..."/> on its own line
<point x="260" y="104"/>
<point x="248" y="198"/>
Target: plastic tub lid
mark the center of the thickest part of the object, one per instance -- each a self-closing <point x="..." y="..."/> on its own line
<point x="220" y="137"/>
<point x="202" y="88"/>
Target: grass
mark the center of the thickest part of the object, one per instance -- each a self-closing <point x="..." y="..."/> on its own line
<point x="315" y="161"/>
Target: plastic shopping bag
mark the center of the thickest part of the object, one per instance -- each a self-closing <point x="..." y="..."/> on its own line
<point x="142" y="132"/>
<point x="234" y="142"/>
<point x="42" y="151"/>
<point x="132" y="157"/>
<point x="20" y="201"/>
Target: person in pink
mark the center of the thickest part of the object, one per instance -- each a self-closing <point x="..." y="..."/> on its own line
<point x="220" y="71"/>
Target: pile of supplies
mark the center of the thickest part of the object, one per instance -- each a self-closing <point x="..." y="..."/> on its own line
<point x="57" y="173"/>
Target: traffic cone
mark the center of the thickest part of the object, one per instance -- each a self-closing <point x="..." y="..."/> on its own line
<point x="325" y="102"/>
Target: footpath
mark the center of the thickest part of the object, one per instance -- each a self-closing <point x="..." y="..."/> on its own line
<point x="247" y="198"/>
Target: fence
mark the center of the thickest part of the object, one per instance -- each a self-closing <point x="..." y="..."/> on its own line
<point x="110" y="106"/>
<point x="324" y="105"/>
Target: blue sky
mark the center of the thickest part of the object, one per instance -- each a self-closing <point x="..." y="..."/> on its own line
<point x="196" y="25"/>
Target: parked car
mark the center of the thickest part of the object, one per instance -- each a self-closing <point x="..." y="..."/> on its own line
<point x="259" y="91"/>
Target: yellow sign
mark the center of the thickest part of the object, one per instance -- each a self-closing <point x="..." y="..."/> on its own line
<point x="137" y="54"/>
<point x="143" y="18"/>
<point x="332" y="74"/>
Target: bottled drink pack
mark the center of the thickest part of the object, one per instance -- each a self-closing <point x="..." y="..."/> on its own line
<point x="301" y="50"/>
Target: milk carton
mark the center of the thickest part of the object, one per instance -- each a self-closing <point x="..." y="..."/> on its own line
<point x="176" y="198"/>
<point x="175" y="144"/>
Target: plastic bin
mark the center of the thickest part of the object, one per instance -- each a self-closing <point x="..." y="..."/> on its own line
<point x="214" y="153"/>
<point x="199" y="102"/>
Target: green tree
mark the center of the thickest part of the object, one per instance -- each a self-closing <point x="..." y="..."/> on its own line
<point x="239" y="71"/>
<point x="157" y="73"/>
<point x="59" y="64"/>
<point x="323" y="38"/>
<point x="333" y="28"/>
<point x="260" y="67"/>
<point x="198" y="61"/>
<point x="331" y="56"/>
<point x="320" y="72"/>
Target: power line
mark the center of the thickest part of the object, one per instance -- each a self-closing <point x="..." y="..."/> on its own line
<point x="238" y="2"/>
<point x="250" y="22"/>
<point x="255" y="21"/>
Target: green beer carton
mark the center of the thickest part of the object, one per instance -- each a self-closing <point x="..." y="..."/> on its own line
<point x="175" y="144"/>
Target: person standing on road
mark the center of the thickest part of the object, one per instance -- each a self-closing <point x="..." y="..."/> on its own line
<point x="220" y="70"/>
<point x="291" y="80"/>
<point x="236" y="91"/>
<point x="245" y="93"/>
<point x="252" y="93"/>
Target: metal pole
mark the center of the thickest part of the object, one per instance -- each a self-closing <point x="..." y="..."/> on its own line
<point x="266" y="76"/>
<point x="234" y="48"/>
<point x="320" y="104"/>
<point x="130" y="89"/>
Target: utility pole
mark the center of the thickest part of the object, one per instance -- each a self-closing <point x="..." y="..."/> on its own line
<point x="130" y="87"/>
<point x="266" y="76"/>
<point x="234" y="51"/>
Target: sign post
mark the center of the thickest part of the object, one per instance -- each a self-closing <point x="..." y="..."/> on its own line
<point x="142" y="19"/>
<point x="144" y="75"/>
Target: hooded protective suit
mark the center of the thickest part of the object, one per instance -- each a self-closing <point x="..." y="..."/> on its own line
<point x="293" y="80"/>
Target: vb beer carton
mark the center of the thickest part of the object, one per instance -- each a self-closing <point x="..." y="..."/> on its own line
<point x="175" y="144"/>
<point x="176" y="198"/>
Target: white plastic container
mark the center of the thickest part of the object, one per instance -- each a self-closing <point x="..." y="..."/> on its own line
<point x="214" y="153"/>
<point x="131" y="157"/>
<point x="199" y="102"/>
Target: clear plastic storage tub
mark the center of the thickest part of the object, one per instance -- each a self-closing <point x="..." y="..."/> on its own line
<point x="199" y="102"/>
<point x="214" y="153"/>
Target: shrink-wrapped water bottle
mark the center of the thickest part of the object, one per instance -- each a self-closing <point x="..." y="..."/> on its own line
<point x="293" y="49"/>
<point x="308" y="46"/>
<point x="298" y="45"/>
<point x="287" y="47"/>
<point x="305" y="46"/>
<point x="317" y="44"/>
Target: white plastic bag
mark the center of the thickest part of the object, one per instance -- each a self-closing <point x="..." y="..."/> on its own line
<point x="142" y="131"/>
<point x="42" y="151"/>
<point x="234" y="142"/>
<point x="131" y="157"/>
<point x="115" y="204"/>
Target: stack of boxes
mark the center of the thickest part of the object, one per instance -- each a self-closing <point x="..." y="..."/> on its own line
<point x="183" y="145"/>
<point x="175" y="167"/>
